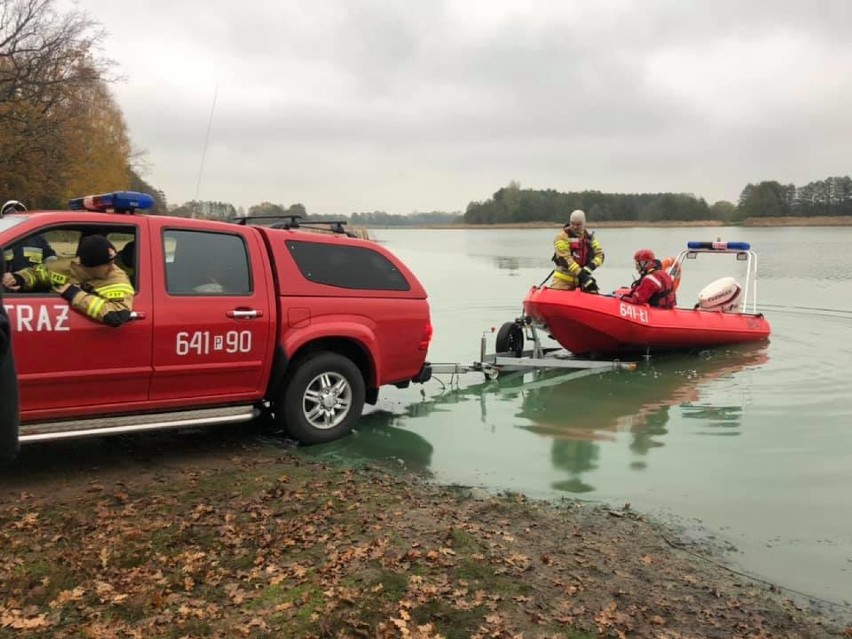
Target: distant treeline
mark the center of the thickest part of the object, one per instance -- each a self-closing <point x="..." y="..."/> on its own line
<point x="378" y="218"/>
<point x="831" y="196"/>
<point x="511" y="204"/>
<point x="514" y="204"/>
<point x="227" y="211"/>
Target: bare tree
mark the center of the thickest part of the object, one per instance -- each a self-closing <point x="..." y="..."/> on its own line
<point x="49" y="63"/>
<point x="41" y="50"/>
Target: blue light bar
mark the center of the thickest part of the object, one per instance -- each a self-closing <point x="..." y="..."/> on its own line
<point x="118" y="202"/>
<point x="720" y="246"/>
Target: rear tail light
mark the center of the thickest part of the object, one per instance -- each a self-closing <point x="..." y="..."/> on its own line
<point x="427" y="337"/>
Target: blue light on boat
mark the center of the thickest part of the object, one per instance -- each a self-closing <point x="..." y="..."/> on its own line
<point x="721" y="246"/>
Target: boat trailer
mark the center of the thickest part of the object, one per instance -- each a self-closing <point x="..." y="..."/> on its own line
<point x="510" y="356"/>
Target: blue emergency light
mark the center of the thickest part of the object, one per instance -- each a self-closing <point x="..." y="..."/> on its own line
<point x="117" y="202"/>
<point x="720" y="246"/>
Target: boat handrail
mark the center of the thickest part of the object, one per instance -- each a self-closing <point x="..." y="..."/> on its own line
<point x="727" y="248"/>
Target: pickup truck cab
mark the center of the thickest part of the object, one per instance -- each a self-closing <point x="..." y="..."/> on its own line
<point x="229" y="320"/>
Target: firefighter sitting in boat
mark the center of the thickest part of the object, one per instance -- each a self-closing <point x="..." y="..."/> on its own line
<point x="670" y="265"/>
<point x="577" y="254"/>
<point x="94" y="286"/>
<point x="655" y="286"/>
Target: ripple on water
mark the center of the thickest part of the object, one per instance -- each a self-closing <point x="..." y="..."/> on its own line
<point x="808" y="353"/>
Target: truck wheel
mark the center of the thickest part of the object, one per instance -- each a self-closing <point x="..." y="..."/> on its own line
<point x="510" y="339"/>
<point x="323" y="398"/>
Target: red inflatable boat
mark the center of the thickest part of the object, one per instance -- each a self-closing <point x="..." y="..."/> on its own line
<point x="604" y="325"/>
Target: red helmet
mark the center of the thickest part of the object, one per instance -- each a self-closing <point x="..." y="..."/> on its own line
<point x="644" y="255"/>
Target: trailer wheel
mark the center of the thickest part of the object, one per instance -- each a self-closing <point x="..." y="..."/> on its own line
<point x="510" y="339"/>
<point x="323" y="399"/>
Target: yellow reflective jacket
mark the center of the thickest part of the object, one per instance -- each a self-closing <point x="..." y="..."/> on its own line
<point x="106" y="299"/>
<point x="573" y="252"/>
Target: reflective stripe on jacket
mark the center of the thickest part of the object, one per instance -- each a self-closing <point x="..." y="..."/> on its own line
<point x="33" y="251"/>
<point x="576" y="251"/>
<point x="106" y="299"/>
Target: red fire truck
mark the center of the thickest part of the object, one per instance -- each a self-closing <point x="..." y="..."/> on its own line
<point x="230" y="320"/>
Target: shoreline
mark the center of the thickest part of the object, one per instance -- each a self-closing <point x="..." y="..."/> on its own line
<point x="227" y="530"/>
<point x="750" y="222"/>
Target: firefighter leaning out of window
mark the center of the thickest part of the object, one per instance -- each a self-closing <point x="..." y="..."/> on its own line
<point x="577" y="254"/>
<point x="93" y="285"/>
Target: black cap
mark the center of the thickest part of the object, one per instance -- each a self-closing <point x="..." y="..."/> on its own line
<point x="94" y="251"/>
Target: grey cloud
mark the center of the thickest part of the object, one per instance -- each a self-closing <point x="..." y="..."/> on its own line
<point x="362" y="93"/>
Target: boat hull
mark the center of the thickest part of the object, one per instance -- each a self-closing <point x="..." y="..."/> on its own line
<point x="587" y="324"/>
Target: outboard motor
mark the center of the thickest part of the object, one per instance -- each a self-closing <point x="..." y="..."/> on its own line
<point x="724" y="294"/>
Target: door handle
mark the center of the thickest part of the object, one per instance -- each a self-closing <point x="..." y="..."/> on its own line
<point x="137" y="315"/>
<point x="244" y="313"/>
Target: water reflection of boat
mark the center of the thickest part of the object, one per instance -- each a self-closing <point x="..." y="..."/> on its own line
<point x="579" y="414"/>
<point x="594" y="407"/>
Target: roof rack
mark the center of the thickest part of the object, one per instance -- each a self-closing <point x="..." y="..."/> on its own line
<point x="293" y="222"/>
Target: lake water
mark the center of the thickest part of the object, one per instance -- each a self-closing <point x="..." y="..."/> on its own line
<point x="751" y="444"/>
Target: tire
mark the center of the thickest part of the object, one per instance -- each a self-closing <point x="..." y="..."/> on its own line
<point x="510" y="339"/>
<point x="324" y="377"/>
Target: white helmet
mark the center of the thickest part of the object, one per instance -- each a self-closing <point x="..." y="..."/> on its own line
<point x="12" y="206"/>
<point x="578" y="216"/>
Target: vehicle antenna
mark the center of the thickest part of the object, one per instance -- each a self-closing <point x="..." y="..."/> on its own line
<point x="206" y="140"/>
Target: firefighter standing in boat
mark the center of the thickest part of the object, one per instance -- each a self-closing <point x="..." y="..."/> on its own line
<point x="94" y="286"/>
<point x="576" y="254"/>
<point x="655" y="286"/>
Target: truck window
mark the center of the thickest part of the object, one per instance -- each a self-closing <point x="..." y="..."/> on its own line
<point x="57" y="248"/>
<point x="205" y="263"/>
<point x="355" y="267"/>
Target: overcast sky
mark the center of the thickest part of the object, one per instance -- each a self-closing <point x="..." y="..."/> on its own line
<point x="423" y="105"/>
